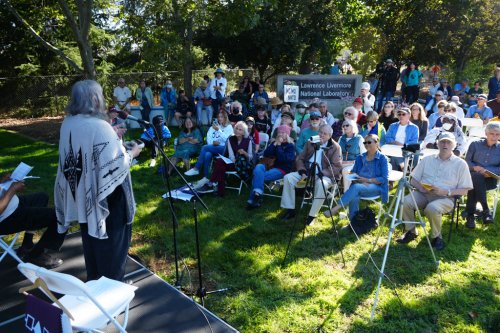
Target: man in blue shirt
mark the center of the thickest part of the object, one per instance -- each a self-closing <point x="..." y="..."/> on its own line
<point x="480" y="110"/>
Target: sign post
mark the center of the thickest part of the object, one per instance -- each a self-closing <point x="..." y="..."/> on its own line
<point x="338" y="91"/>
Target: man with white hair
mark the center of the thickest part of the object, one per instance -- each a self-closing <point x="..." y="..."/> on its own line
<point x="329" y="161"/>
<point x="483" y="159"/>
<point x="437" y="178"/>
<point x="368" y="98"/>
<point x="122" y="96"/>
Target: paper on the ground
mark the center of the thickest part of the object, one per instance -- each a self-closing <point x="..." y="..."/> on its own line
<point x="20" y="173"/>
<point x="177" y="194"/>
<point x="225" y="159"/>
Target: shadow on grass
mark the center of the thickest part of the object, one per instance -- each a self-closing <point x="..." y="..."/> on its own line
<point x="460" y="308"/>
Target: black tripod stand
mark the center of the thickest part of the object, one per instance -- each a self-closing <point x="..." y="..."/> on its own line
<point x="166" y="176"/>
<point x="201" y="292"/>
<point x="309" y="189"/>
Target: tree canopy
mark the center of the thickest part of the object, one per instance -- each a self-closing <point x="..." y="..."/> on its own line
<point x="270" y="36"/>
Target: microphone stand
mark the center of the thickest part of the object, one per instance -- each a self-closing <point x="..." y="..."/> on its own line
<point x="166" y="176"/>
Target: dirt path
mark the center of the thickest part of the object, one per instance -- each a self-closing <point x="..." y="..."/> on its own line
<point x="43" y="129"/>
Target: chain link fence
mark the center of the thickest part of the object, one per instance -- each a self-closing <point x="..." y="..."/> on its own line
<point x="37" y="96"/>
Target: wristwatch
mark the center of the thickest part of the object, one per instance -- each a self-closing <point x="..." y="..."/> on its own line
<point x="449" y="193"/>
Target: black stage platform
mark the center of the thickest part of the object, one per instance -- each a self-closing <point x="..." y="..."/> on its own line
<point x="157" y="306"/>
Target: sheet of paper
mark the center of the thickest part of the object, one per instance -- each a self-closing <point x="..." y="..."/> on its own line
<point x="225" y="159"/>
<point x="20" y="173"/>
<point x="179" y="195"/>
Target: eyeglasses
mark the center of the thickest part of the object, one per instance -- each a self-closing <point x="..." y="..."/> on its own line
<point x="347" y="114"/>
<point x="369" y="142"/>
<point x="372" y="121"/>
<point x="402" y="114"/>
<point x="448" y="110"/>
<point x="345" y="126"/>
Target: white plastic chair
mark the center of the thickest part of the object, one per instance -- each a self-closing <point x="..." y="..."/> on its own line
<point x="264" y="140"/>
<point x="8" y="248"/>
<point x="92" y="305"/>
<point x="470" y="123"/>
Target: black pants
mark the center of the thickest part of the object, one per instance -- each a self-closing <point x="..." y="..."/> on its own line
<point x="412" y="94"/>
<point x="150" y="145"/>
<point x="478" y="193"/>
<point x="33" y="214"/>
<point x="108" y="257"/>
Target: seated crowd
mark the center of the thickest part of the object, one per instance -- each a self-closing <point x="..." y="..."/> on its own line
<point x="305" y="142"/>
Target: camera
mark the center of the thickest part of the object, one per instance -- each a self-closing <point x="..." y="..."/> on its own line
<point x="412" y="148"/>
<point x="314" y="139"/>
<point x="215" y="122"/>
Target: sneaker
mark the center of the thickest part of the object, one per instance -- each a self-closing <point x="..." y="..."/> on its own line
<point x="471" y="222"/>
<point x="287" y="214"/>
<point x="310" y="220"/>
<point x="438" y="243"/>
<point x="24" y="250"/>
<point x="192" y="172"/>
<point x="44" y="260"/>
<point x="408" y="237"/>
<point x="200" y="183"/>
<point x="487" y="218"/>
<point x="152" y="164"/>
<point x="205" y="189"/>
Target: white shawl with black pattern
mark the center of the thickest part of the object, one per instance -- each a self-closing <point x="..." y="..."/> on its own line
<point x="92" y="163"/>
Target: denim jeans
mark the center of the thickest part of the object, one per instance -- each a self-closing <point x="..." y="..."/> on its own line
<point x="260" y="175"/>
<point x="205" y="159"/>
<point x="387" y="95"/>
<point x="204" y="118"/>
<point x="352" y="196"/>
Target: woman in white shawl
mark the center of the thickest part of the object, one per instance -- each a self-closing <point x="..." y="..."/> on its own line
<point x="93" y="185"/>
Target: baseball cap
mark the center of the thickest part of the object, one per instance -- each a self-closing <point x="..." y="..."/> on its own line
<point x="315" y="114"/>
<point x="447" y="136"/>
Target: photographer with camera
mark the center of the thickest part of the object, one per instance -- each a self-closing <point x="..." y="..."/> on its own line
<point x="326" y="154"/>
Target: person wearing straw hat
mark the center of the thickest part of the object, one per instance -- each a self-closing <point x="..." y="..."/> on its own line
<point x="276" y="104"/>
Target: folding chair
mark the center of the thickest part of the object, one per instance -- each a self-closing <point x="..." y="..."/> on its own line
<point x="495" y="199"/>
<point x="264" y="141"/>
<point x="235" y="174"/>
<point x="470" y="123"/>
<point x="8" y="248"/>
<point x="455" y="214"/>
<point x="90" y="306"/>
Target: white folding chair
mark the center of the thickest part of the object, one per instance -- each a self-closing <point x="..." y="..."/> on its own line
<point x="470" y="123"/>
<point x="8" y="248"/>
<point x="91" y="306"/>
<point x="242" y="182"/>
<point x="264" y="140"/>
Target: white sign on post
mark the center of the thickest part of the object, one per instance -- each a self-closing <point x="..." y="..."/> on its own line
<point x="291" y="94"/>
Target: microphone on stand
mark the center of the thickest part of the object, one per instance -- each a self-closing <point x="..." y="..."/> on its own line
<point x="125" y="115"/>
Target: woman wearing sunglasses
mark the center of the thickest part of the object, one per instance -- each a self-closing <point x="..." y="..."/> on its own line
<point x="352" y="146"/>
<point x="370" y="178"/>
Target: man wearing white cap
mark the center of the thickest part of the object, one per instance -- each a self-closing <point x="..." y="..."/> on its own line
<point x="437" y="178"/>
<point x="480" y="110"/>
<point x="368" y="98"/>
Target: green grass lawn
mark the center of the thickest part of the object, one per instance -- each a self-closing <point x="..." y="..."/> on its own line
<point x="313" y="292"/>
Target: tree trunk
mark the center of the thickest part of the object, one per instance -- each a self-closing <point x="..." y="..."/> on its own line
<point x="81" y="31"/>
<point x="46" y="44"/>
<point x="188" y="58"/>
